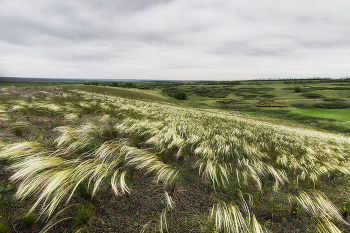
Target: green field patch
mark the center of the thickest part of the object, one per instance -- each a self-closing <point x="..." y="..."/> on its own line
<point x="341" y="88"/>
<point x="255" y="89"/>
<point x="336" y="114"/>
<point x="320" y="88"/>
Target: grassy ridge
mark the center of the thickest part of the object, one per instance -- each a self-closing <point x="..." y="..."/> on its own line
<point x="123" y="93"/>
<point x="25" y="84"/>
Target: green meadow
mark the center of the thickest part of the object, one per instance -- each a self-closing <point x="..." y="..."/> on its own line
<point x="302" y="103"/>
<point x="336" y="114"/>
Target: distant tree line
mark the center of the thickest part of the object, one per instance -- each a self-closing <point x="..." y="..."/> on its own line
<point x="249" y="82"/>
<point x="116" y="84"/>
<point x="95" y="83"/>
<point x="315" y="80"/>
<point x="220" y="82"/>
<point x="173" y="84"/>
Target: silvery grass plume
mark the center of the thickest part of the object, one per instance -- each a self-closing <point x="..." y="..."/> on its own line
<point x="22" y="106"/>
<point x="23" y="150"/>
<point x="214" y="171"/>
<point x="54" y="177"/>
<point x="46" y="107"/>
<point x="2" y="147"/>
<point x="14" y="122"/>
<point x="49" y="178"/>
<point x="72" y="117"/>
<point x="53" y="180"/>
<point x="169" y="206"/>
<point x="317" y="204"/>
<point x="144" y="127"/>
<point x="3" y="111"/>
<point x="19" y="105"/>
<point x="228" y="218"/>
<point x="153" y="164"/>
<point x="83" y="137"/>
<point x="82" y="156"/>
<point x="325" y="226"/>
<point x="163" y="222"/>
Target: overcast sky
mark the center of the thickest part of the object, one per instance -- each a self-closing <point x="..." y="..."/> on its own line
<point x="175" y="39"/>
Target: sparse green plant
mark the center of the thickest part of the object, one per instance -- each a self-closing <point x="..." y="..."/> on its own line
<point x="163" y="226"/>
<point x="18" y="130"/>
<point x="295" y="209"/>
<point x="4" y="228"/>
<point x="84" y="191"/>
<point x="29" y="219"/>
<point x="168" y="202"/>
<point x="5" y="189"/>
<point x="345" y="210"/>
<point x="83" y="218"/>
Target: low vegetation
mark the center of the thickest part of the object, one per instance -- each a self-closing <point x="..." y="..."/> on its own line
<point x="263" y="98"/>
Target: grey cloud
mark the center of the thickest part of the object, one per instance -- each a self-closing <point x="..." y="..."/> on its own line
<point x="208" y="39"/>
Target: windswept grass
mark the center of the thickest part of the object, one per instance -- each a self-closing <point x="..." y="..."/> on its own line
<point x="237" y="160"/>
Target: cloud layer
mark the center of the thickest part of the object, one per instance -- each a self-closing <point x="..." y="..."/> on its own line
<point x="174" y="39"/>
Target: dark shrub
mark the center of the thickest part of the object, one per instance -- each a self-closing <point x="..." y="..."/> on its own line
<point x="312" y="95"/>
<point x="249" y="96"/>
<point x="180" y="95"/>
<point x="297" y="88"/>
<point x="332" y="105"/>
<point x="268" y="96"/>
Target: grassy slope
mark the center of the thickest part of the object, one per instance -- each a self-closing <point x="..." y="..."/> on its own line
<point x="126" y="214"/>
